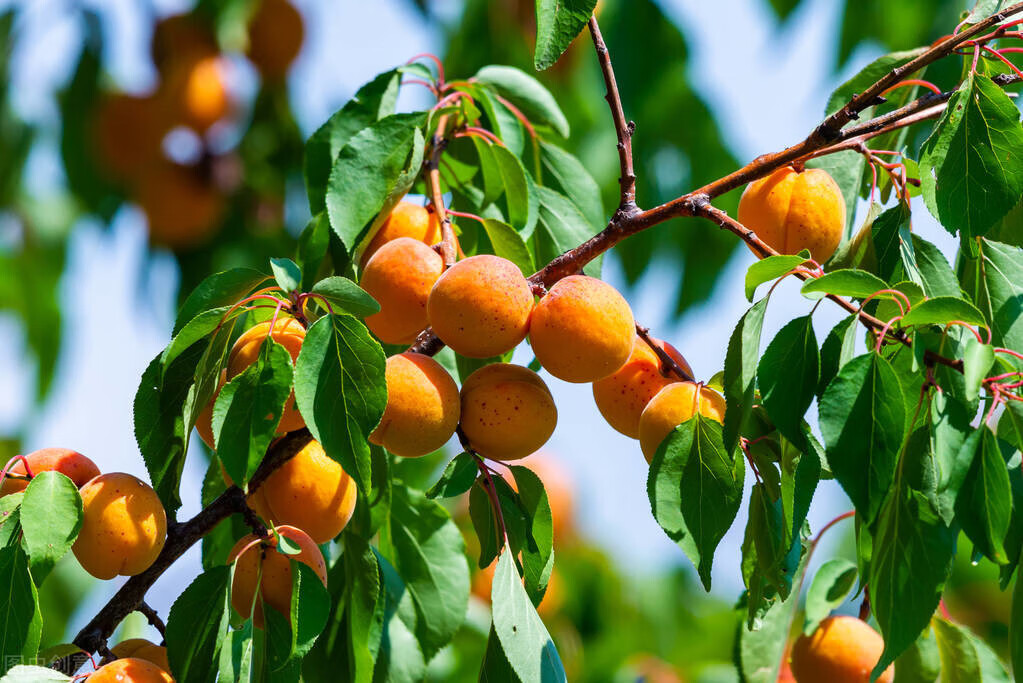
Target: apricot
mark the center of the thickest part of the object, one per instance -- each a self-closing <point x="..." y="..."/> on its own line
<point x="405" y="220"/>
<point x="202" y="94"/>
<point x="481" y="306"/>
<point x="275" y="38"/>
<point x="182" y="206"/>
<point x="400" y="276"/>
<point x="130" y="670"/>
<point x="72" y="464"/>
<point x="582" y="330"/>
<point x="140" y="648"/>
<point x="792" y="211"/>
<point x="422" y="406"/>
<point x="260" y="562"/>
<point x="842" y="650"/>
<point x="507" y="411"/>
<point x="673" y="405"/>
<point x="621" y="397"/>
<point x="204" y="420"/>
<point x="287" y="332"/>
<point x="124" y="526"/>
<point x="128" y="133"/>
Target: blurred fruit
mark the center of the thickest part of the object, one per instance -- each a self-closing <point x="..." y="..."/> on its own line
<point x="275" y="38"/>
<point x="181" y="39"/>
<point x="182" y="207"/>
<point x="197" y="93"/>
<point x="128" y="132"/>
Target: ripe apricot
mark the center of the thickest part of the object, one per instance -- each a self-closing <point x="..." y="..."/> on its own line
<point x="182" y="206"/>
<point x="140" y="648"/>
<point x="673" y="405"/>
<point x="422" y="406"/>
<point x="124" y="526"/>
<point x="287" y="332"/>
<point x="507" y="411"/>
<point x="792" y="211"/>
<point x="405" y="220"/>
<point x="275" y="38"/>
<point x="202" y="94"/>
<point x="263" y="563"/>
<point x="400" y="276"/>
<point x="582" y="330"/>
<point x="130" y="670"/>
<point x="72" y="464"/>
<point x="204" y="420"/>
<point x="481" y="306"/>
<point x="842" y="650"/>
<point x="622" y="396"/>
<point x="128" y="132"/>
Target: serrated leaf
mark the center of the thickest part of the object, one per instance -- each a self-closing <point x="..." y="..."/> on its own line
<point x="771" y="268"/>
<point x="527" y="94"/>
<point x="21" y="622"/>
<point x="347" y="296"/>
<point x="51" y="515"/>
<point x="558" y="22"/>
<point x="310" y="608"/>
<point x="287" y="274"/>
<point x="977" y="363"/>
<point x="941" y="310"/>
<point x="197" y="625"/>
<point x="218" y="290"/>
<point x="844" y="282"/>
<point x="538" y="540"/>
<point x="457" y="477"/>
<point x="954" y="443"/>
<point x="938" y="277"/>
<point x="994" y="281"/>
<point x="984" y="504"/>
<point x="741" y="371"/>
<point x="837" y="350"/>
<point x="788" y="374"/>
<point x="829" y="589"/>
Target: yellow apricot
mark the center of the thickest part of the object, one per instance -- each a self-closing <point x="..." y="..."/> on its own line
<point x="183" y="208"/>
<point x="405" y="220"/>
<point x="422" y="406"/>
<point x="792" y="211"/>
<point x="673" y="405"/>
<point x="124" y="526"/>
<point x="71" y="464"/>
<point x="140" y="648"/>
<point x="275" y="37"/>
<point x="481" y="306"/>
<point x="287" y="332"/>
<point x="621" y="397"/>
<point x="129" y="670"/>
<point x="260" y="562"/>
<point x="400" y="276"/>
<point x="582" y="330"/>
<point x="507" y="411"/>
<point x="842" y="650"/>
<point x="196" y="91"/>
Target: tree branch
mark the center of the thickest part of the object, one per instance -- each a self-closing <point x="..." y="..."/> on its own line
<point x="447" y="244"/>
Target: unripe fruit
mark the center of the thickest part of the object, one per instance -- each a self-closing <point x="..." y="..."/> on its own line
<point x="275" y="38"/>
<point x="507" y="411"/>
<point x="622" y="397"/>
<point x="582" y="330"/>
<point x="673" y="405"/>
<point x="182" y="207"/>
<point x="422" y="406"/>
<point x="792" y="211"/>
<point x="140" y="648"/>
<point x="480" y="306"/>
<point x="841" y="650"/>
<point x="400" y="276"/>
<point x="287" y="332"/>
<point x="261" y="562"/>
<point x="124" y="526"/>
<point x="72" y="464"/>
<point x="406" y="220"/>
<point x="130" y="670"/>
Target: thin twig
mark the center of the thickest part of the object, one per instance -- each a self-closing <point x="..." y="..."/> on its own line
<point x="438" y="144"/>
<point x="668" y="364"/>
<point x="153" y="618"/>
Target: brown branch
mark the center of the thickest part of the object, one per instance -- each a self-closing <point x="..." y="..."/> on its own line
<point x="439" y="142"/>
<point x="153" y="618"/>
<point x="668" y="363"/>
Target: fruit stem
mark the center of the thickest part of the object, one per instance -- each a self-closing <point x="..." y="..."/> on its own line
<point x="668" y="364"/>
<point x="10" y="464"/>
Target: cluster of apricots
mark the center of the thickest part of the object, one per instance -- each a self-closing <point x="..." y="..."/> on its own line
<point x="184" y="203"/>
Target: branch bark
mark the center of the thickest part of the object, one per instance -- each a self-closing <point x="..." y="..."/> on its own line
<point x="447" y="248"/>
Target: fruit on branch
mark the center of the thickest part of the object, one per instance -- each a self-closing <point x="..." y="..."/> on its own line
<point x="197" y="92"/>
<point x="481" y="306"/>
<point x="507" y="411"/>
<point x="400" y="276"/>
<point x="204" y="420"/>
<point x="275" y="38"/>
<point x="182" y="206"/>
<point x="261" y="564"/>
<point x="140" y="648"/>
<point x="582" y="330"/>
<point x="130" y="670"/>
<point x="287" y="332"/>
<point x="124" y="526"/>
<point x="842" y="650"/>
<point x="181" y="39"/>
<point x="422" y="406"/>
<point x="128" y="132"/>
<point x="622" y="397"/>
<point x="792" y="211"/>
<point x="406" y="220"/>
<point x="71" y="464"/>
<point x="673" y="405"/>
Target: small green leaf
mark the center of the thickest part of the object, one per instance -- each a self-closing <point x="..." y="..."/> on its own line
<point x="977" y="363"/>
<point x="34" y="674"/>
<point x="527" y="94"/>
<point x="287" y="546"/>
<point x="837" y="350"/>
<point x="741" y="371"/>
<point x="788" y="374"/>
<point x="561" y="227"/>
<point x="538" y="547"/>
<point x="522" y="208"/>
<point x="310" y="608"/>
<point x="197" y="625"/>
<point x="771" y="268"/>
<point x="943" y="309"/>
<point x="938" y="278"/>
<point x="21" y="620"/>
<point x="994" y="281"/>
<point x="965" y="658"/>
<point x="828" y="590"/>
<point x="457" y="477"/>
<point x="844" y="282"/>
<point x="984" y="504"/>
<point x="51" y="515"/>
<point x="569" y="177"/>
<point x="558" y="22"/>
<point x="508" y="243"/>
<point x="347" y="296"/>
<point x="287" y="274"/>
<point x="194" y="330"/>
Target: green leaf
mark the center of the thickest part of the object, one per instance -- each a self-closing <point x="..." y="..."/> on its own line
<point x="21" y="622"/>
<point x="527" y="94"/>
<point x="1010" y="424"/>
<point x="984" y="504"/>
<point x="977" y="363"/>
<point x="938" y="278"/>
<point x="800" y="474"/>
<point x="788" y="374"/>
<point x="195" y="330"/>
<point x="892" y="242"/>
<point x="51" y="515"/>
<point x="522" y="207"/>
<point x="558" y="22"/>
<point x="863" y="421"/>
<point x="33" y="674"/>
<point x="921" y="663"/>
<point x="953" y="449"/>
<point x="508" y="243"/>
<point x="340" y="390"/>
<point x="347" y="296"/>
<point x="965" y="657"/>
<point x="970" y="173"/>
<point x="1016" y="627"/>
<point x="493" y="181"/>
<point x="829" y="589"/>
<point x="561" y="227"/>
<point x="218" y="290"/>
<point x="867" y="76"/>
<point x="772" y="540"/>
<point x="310" y="609"/>
<point x="538" y="538"/>
<point x="994" y="281"/>
<point x="942" y="310"/>
<point x="569" y="177"/>
<point x="844" y="282"/>
<point x="312" y="248"/>
<point x="837" y="350"/>
<point x="741" y="371"/>
<point x="400" y="658"/>
<point x="771" y="268"/>
<point x="237" y="656"/>
<point x="287" y="274"/>
<point x="10" y="518"/>
<point x="457" y="477"/>
<point x="197" y="625"/>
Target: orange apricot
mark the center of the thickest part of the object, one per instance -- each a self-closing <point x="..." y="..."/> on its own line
<point x="72" y="464"/>
<point x="124" y="526"/>
<point x="203" y="96"/>
<point x="275" y="37"/>
<point x="422" y="406"/>
<point x="405" y="220"/>
<point x="673" y="405"/>
<point x="481" y="306"/>
<point x="128" y="133"/>
<point x="140" y="648"/>
<point x="129" y="670"/>
<point x="582" y="330"/>
<point x="842" y="650"/>
<point x="204" y="420"/>
<point x="507" y="411"/>
<point x="622" y="396"/>
<point x="400" y="276"/>
<point x="259" y="561"/>
<point x="287" y="332"/>
<point x="183" y="208"/>
<point x="792" y="211"/>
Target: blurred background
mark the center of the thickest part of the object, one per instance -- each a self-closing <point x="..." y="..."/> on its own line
<point x="147" y="143"/>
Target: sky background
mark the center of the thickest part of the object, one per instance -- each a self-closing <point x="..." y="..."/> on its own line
<point x="766" y="83"/>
